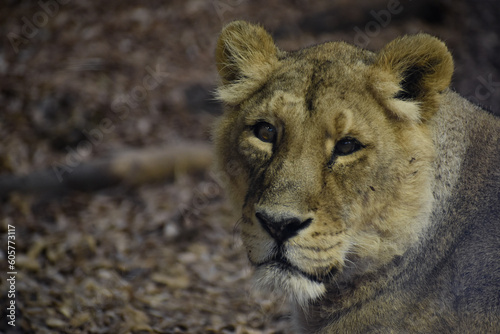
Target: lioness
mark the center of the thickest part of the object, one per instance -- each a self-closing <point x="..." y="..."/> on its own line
<point x="369" y="191"/>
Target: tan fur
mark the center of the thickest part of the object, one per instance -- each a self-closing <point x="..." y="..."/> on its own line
<point x="381" y="237"/>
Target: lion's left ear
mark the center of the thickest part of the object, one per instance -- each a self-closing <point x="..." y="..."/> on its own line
<point x="245" y="56"/>
<point x="409" y="75"/>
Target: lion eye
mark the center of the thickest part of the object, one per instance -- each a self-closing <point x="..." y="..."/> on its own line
<point x="347" y="146"/>
<point x="265" y="132"/>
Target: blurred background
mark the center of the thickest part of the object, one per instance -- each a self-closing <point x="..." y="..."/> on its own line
<point x="163" y="257"/>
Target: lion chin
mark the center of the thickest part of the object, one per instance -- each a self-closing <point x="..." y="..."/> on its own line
<point x="288" y="281"/>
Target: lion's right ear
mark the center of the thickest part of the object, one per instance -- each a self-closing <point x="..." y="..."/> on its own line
<point x="409" y="75"/>
<point x="245" y="56"/>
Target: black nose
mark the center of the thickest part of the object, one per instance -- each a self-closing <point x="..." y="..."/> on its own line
<point x="281" y="229"/>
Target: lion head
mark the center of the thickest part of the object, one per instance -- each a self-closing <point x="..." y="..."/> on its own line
<point x="327" y="153"/>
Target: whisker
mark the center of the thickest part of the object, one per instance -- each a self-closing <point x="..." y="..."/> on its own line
<point x="354" y="265"/>
<point x="236" y="232"/>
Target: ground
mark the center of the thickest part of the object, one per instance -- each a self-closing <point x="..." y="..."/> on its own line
<point x="82" y="80"/>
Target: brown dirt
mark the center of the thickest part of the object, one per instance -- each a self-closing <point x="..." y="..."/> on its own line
<point x="163" y="258"/>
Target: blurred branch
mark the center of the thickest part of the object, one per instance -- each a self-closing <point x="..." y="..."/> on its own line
<point x="131" y="168"/>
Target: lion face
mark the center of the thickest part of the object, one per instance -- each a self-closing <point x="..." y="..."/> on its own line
<point x="333" y="156"/>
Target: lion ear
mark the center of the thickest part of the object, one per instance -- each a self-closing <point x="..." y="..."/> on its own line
<point x="409" y="74"/>
<point x="245" y="56"/>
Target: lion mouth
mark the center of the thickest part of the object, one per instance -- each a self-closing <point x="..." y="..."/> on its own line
<point x="282" y="264"/>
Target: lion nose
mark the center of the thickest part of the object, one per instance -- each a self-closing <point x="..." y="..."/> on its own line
<point x="281" y="229"/>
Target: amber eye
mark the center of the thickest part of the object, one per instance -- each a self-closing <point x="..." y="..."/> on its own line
<point x="347" y="146"/>
<point x="265" y="132"/>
